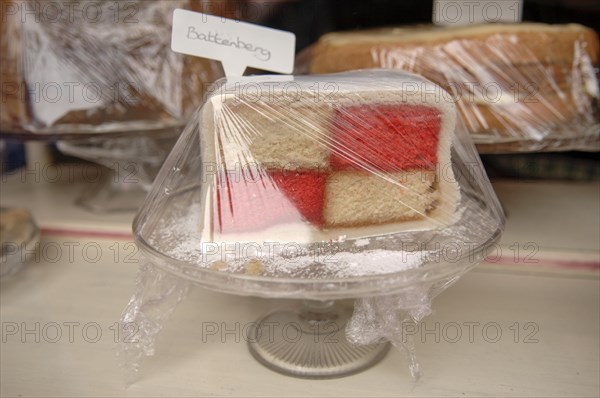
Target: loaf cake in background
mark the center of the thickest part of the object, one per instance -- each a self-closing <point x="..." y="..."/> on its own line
<point x="364" y="162"/>
<point x="113" y="73"/>
<point x="518" y="86"/>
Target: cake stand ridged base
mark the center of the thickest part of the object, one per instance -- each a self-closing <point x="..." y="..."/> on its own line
<point x="310" y="342"/>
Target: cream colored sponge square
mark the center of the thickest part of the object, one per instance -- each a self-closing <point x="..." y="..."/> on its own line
<point x="278" y="136"/>
<point x="354" y="198"/>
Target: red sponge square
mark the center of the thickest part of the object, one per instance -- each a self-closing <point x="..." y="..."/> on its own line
<point x="385" y="137"/>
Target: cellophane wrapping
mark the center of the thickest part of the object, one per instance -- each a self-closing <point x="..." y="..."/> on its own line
<point x="517" y="87"/>
<point x="95" y="67"/>
<point x="351" y="185"/>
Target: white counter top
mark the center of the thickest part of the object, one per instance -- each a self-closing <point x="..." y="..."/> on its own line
<point x="554" y="303"/>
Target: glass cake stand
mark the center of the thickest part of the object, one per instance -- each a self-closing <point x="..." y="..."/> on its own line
<point x="310" y="340"/>
<point x="390" y="272"/>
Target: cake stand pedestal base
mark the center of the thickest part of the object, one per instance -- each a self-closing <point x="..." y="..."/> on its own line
<point x="310" y="342"/>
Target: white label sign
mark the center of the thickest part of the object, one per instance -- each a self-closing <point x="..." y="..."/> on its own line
<point x="466" y="12"/>
<point x="236" y="44"/>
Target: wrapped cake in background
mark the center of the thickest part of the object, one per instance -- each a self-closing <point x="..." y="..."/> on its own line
<point x="102" y="67"/>
<point x="517" y="87"/>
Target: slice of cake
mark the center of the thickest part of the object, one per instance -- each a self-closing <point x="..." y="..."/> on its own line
<point x="369" y="159"/>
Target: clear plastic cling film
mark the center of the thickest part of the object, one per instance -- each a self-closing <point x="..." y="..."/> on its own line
<point x="351" y="185"/>
<point x="96" y="66"/>
<point x="517" y="87"/>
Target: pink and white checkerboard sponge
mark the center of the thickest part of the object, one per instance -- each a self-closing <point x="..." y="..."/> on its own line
<point x="360" y="161"/>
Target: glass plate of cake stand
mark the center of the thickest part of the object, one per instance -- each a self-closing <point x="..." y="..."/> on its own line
<point x="129" y="162"/>
<point x="309" y="340"/>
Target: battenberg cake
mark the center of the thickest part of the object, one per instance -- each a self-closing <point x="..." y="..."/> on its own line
<point x="372" y="159"/>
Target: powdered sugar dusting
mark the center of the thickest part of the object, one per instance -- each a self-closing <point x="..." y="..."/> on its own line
<point x="361" y="242"/>
<point x="179" y="236"/>
<point x="377" y="262"/>
<point x="178" y="233"/>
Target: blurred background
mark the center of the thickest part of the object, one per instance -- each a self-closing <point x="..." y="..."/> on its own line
<point x="310" y="19"/>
